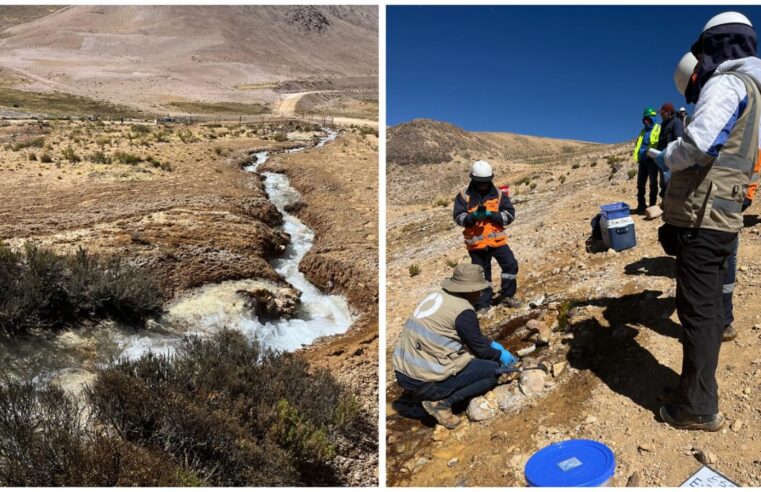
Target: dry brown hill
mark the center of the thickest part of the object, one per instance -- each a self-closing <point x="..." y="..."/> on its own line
<point x="427" y="158"/>
<point x="151" y="56"/>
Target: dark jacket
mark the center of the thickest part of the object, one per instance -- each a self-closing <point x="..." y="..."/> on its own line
<point x="469" y="331"/>
<point x="670" y="131"/>
<point x="460" y="211"/>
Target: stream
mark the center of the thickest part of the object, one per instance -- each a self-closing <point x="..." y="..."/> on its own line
<point x="70" y="357"/>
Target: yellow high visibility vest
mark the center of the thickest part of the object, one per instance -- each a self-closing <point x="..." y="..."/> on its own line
<point x="654" y="135"/>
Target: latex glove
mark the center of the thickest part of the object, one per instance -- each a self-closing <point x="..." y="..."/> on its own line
<point x="471" y="218"/>
<point x="506" y="358"/>
<point x="661" y="162"/>
<point x="488" y="215"/>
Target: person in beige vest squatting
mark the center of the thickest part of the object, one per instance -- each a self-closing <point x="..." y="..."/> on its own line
<point x="442" y="357"/>
<point x="712" y="167"/>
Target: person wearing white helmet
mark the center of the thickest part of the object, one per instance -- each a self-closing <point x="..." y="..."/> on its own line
<point x="483" y="211"/>
<point x="683" y="116"/>
<point x="712" y="168"/>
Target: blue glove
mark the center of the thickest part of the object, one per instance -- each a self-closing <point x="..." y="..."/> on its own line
<point x="661" y="162"/>
<point x="506" y="358"/>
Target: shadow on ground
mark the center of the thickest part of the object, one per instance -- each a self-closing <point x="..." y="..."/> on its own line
<point x="613" y="353"/>
<point x="661" y="266"/>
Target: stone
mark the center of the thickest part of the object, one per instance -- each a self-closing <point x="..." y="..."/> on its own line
<point x="558" y="368"/>
<point x="591" y="419"/>
<point x="439" y="433"/>
<point x="536" y="302"/>
<point x="633" y="480"/>
<point x="653" y="212"/>
<point x="736" y="425"/>
<point x="272" y="304"/>
<point x="542" y="330"/>
<point x="481" y="408"/>
<point x="507" y="398"/>
<point x="526" y="350"/>
<point x="705" y="457"/>
<point x="452" y="462"/>
<point x="644" y="447"/>
<point x="532" y="382"/>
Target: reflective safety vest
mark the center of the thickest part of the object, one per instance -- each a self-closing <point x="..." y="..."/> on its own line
<point x="429" y="348"/>
<point x="655" y="134"/>
<point x="484" y="233"/>
<point x="711" y="197"/>
<point x="753" y="186"/>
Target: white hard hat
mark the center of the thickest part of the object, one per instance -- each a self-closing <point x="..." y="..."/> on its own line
<point x="727" y="18"/>
<point x="683" y="72"/>
<point x="481" y="172"/>
<point x="682" y="109"/>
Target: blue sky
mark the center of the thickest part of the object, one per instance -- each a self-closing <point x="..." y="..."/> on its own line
<point x="583" y="72"/>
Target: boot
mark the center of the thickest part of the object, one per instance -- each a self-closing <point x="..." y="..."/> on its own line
<point x="511" y="302"/>
<point x="729" y="333"/>
<point x="676" y="417"/>
<point x="442" y="413"/>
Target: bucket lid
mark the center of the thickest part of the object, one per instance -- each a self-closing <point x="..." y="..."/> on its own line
<point x="573" y="463"/>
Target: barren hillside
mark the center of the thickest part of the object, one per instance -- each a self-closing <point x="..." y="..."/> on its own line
<point x="165" y="58"/>
<point x="615" y="342"/>
<point x="427" y="158"/>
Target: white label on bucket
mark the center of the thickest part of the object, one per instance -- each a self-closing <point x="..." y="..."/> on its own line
<point x="708" y="477"/>
<point x="569" y="464"/>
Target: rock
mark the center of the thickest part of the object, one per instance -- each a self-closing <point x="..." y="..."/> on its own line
<point x="526" y="350"/>
<point x="591" y="419"/>
<point x="452" y="462"/>
<point x="705" y="457"/>
<point x="743" y="268"/>
<point x="268" y="305"/>
<point x="507" y="398"/>
<point x="480" y="409"/>
<point x="736" y="425"/>
<point x="555" y="271"/>
<point x="633" y="480"/>
<point x="653" y="212"/>
<point x="542" y="330"/>
<point x="644" y="447"/>
<point x="558" y="368"/>
<point x="439" y="433"/>
<point x="536" y="302"/>
<point x="532" y="382"/>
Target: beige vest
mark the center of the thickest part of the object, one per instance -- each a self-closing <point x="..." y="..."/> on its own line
<point x="430" y="349"/>
<point x="711" y="197"/>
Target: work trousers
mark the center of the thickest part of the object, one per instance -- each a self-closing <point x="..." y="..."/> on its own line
<point x="647" y="171"/>
<point x="701" y="265"/>
<point x="508" y="264"/>
<point x="729" y="285"/>
<point x="478" y="377"/>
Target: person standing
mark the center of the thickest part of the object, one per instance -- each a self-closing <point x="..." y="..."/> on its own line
<point x="712" y="168"/>
<point x="647" y="170"/>
<point x="671" y="129"/>
<point x="442" y="357"/>
<point x="483" y="211"/>
<point x="683" y="116"/>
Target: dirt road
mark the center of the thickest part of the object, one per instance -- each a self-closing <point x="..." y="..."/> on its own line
<point x="288" y="104"/>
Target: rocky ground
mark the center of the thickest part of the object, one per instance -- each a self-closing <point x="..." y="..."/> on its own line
<point x="175" y="200"/>
<point x="614" y="341"/>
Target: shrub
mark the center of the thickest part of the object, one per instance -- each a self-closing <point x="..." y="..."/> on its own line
<point x="280" y="137"/>
<point x="45" y="157"/>
<point x="233" y="413"/>
<point x="32" y="156"/>
<point x="70" y="155"/>
<point x="46" y="290"/>
<point x="35" y="142"/>
<point x="533" y="185"/>
<point x="441" y="202"/>
<point x="140" y="129"/>
<point x="186" y="136"/>
<point x="562" y="179"/>
<point x="631" y="173"/>
<point x="99" y="157"/>
<point x="127" y="158"/>
<point x="218" y="150"/>
<point x="103" y="141"/>
<point x="576" y="166"/>
<point x="415" y="270"/>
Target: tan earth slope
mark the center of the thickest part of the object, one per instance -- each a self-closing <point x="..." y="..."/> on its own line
<point x="197" y="54"/>
<point x="615" y="342"/>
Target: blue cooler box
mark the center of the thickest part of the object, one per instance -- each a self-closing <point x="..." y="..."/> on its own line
<point x="618" y="234"/>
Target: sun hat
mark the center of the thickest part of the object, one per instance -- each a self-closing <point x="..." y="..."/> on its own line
<point x="466" y="278"/>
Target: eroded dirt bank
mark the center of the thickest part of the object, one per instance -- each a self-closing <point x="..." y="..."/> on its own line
<point x="615" y="329"/>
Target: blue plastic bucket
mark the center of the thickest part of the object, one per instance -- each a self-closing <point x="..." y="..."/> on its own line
<point x="574" y="463"/>
<point x="617" y="210"/>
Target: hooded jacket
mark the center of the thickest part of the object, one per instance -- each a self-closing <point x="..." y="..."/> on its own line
<point x="723" y="98"/>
